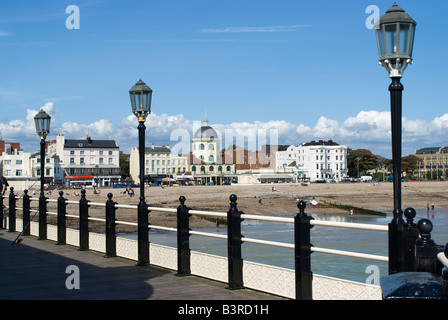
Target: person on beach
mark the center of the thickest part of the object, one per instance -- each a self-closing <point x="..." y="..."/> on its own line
<point x="3" y="185"/>
<point x="259" y="200"/>
<point x="351" y="212"/>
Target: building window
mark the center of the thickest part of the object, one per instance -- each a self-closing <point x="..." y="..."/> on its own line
<point x="18" y="161"/>
<point x="72" y="160"/>
<point x="220" y="169"/>
<point x="110" y="160"/>
<point x="210" y="168"/>
<point x="101" y="160"/>
<point x="201" y="146"/>
<point x="18" y="173"/>
<point x="211" y="147"/>
<point x="202" y="169"/>
<point x="81" y="152"/>
<point x="110" y="153"/>
<point x="211" y="158"/>
<point x="81" y="160"/>
<point x="72" y="152"/>
<point x="228" y="168"/>
<point x="193" y="168"/>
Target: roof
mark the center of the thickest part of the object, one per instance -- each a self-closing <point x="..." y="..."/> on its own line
<point x="321" y="143"/>
<point x="157" y="150"/>
<point x="89" y="143"/>
<point x="205" y="132"/>
<point x="429" y="150"/>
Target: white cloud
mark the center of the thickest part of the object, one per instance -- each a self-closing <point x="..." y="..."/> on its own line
<point x="101" y="129"/>
<point x="368" y="129"/>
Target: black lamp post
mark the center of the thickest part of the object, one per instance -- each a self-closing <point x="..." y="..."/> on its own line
<point x="42" y="121"/>
<point x="141" y="95"/>
<point x="395" y="38"/>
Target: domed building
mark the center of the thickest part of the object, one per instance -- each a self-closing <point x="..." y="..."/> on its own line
<point x="205" y="144"/>
<point x="206" y="162"/>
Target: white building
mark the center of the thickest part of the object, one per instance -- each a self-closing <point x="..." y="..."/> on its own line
<point x="206" y="144"/>
<point x="88" y="162"/>
<point x="22" y="169"/>
<point x="315" y="160"/>
<point x="54" y="173"/>
<point x="159" y="164"/>
<point x="16" y="169"/>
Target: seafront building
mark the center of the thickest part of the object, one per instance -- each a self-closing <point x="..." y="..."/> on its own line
<point x="207" y="164"/>
<point x="22" y="169"/>
<point x="432" y="159"/>
<point x="88" y="162"/>
<point x="314" y="161"/>
<point x="160" y="165"/>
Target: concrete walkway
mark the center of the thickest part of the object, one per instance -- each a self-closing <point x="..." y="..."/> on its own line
<point x="37" y="270"/>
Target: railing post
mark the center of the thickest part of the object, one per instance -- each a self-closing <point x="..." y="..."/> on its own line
<point x="111" y="238"/>
<point x="410" y="235"/>
<point x="426" y="250"/>
<point x="42" y="216"/>
<point x="183" y="239"/>
<point x="143" y="234"/>
<point x="235" y="260"/>
<point x="302" y="252"/>
<point x="396" y="243"/>
<point x="26" y="214"/>
<point x="62" y="226"/>
<point x="12" y="210"/>
<point x="83" y="222"/>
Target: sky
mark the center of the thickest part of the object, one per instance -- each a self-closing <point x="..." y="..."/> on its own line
<point x="270" y="71"/>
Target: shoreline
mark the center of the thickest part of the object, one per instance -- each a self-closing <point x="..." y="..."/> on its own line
<point x="377" y="197"/>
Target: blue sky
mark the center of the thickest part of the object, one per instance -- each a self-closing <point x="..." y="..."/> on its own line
<point x="308" y="69"/>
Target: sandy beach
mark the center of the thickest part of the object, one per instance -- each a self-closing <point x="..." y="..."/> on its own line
<point x="377" y="197"/>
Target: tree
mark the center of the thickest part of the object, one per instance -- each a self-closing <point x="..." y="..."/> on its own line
<point x="409" y="164"/>
<point x="124" y="166"/>
<point x="359" y="161"/>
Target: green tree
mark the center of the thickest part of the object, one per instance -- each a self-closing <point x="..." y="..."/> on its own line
<point x="359" y="161"/>
<point x="409" y="164"/>
<point x="124" y="166"/>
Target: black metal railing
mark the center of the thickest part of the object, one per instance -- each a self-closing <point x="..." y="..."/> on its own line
<point x="420" y="253"/>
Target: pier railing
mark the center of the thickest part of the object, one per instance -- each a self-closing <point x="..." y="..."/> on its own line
<point x="420" y="253"/>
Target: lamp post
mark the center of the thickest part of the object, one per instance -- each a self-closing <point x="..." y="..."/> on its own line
<point x="395" y="38"/>
<point x="42" y="122"/>
<point x="141" y="95"/>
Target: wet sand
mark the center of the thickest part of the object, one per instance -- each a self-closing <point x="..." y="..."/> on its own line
<point x="283" y="200"/>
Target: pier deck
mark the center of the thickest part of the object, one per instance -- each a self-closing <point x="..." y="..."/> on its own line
<point x="36" y="270"/>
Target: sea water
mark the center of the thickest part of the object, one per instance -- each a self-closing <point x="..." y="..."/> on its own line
<point x="359" y="241"/>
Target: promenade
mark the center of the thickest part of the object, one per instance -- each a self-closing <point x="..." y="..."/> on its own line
<point x="36" y="270"/>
